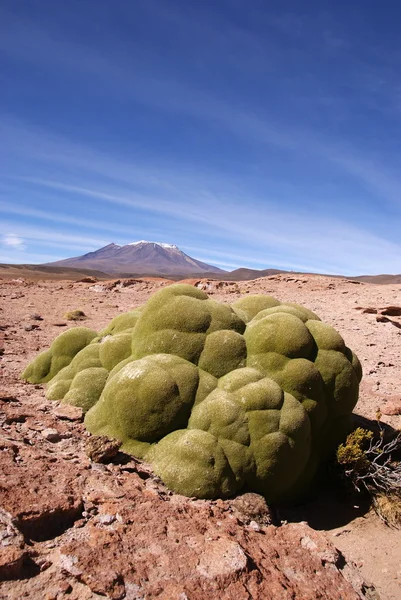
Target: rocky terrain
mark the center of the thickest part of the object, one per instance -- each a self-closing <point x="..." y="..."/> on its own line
<point x="81" y="520"/>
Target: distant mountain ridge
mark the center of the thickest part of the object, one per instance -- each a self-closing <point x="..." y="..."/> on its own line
<point x="157" y="259"/>
<point x="140" y="258"/>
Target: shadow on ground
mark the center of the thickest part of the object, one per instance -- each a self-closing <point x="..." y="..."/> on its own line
<point x="335" y="504"/>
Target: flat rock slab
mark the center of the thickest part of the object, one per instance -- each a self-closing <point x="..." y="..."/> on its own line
<point x="179" y="560"/>
<point x="69" y="412"/>
<point x="43" y="496"/>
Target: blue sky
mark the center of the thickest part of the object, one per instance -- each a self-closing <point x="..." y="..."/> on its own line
<point x="250" y="133"/>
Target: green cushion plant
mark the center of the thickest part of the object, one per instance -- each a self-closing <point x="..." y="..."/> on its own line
<point x="218" y="398"/>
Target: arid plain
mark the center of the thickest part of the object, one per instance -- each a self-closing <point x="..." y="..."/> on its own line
<point x="91" y="516"/>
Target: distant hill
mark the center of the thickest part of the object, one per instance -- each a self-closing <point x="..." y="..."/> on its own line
<point x="140" y="258"/>
<point x="244" y="274"/>
<point x="153" y="259"/>
<point x="45" y="272"/>
<point x="250" y="274"/>
<point x="384" y="279"/>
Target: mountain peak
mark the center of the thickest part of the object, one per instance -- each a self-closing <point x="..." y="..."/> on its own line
<point x="141" y="257"/>
<point x="161" y="244"/>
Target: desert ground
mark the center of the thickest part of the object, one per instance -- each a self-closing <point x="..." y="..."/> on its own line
<point x="71" y="527"/>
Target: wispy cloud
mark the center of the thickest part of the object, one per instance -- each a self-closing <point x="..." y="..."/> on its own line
<point x="115" y="229"/>
<point x="273" y="227"/>
<point x="339" y="247"/>
<point x="266" y="232"/>
<point x="27" y="257"/>
<point x="55" y="238"/>
<point x="13" y="241"/>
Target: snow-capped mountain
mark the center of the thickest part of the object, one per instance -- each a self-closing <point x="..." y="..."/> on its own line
<point x="157" y="243"/>
<point x="140" y="258"/>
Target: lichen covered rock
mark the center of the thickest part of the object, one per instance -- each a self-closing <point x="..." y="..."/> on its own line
<point x="218" y="398"/>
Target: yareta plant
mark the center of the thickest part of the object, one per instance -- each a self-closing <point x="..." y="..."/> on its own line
<point x="217" y="398"/>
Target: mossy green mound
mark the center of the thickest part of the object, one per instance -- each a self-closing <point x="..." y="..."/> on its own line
<point x="145" y="400"/>
<point x="114" y="349"/>
<point x="124" y="322"/>
<point x="60" y="384"/>
<point x="59" y="355"/>
<point x="86" y="387"/>
<point x="218" y="398"/>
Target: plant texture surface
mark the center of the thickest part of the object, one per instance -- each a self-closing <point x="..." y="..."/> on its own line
<point x="218" y="398"/>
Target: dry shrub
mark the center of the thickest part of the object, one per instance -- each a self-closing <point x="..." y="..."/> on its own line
<point x="370" y="462"/>
<point x="388" y="507"/>
<point x="75" y="315"/>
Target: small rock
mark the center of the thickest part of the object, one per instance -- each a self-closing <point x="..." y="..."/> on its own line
<point x="8" y="398"/>
<point x="80" y="523"/>
<point x="252" y="507"/>
<point x="391" y="409"/>
<point x="100" y="448"/>
<point x="382" y="319"/>
<point x="135" y="592"/>
<point x="255" y="526"/>
<point x="51" y="435"/>
<point x="64" y="587"/>
<point x="106" y="519"/>
<point x="44" y="564"/>
<point x="68" y="564"/>
<point x="222" y="558"/>
<point x="110" y="583"/>
<point x="36" y="317"/>
<point x="69" y="412"/>
<point x="87" y="280"/>
<point x="391" y="311"/>
<point x="31" y="327"/>
<point x="15" y="417"/>
<point x="90" y="508"/>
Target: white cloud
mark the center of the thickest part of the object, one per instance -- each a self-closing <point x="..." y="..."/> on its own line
<point x="49" y="237"/>
<point x="13" y="241"/>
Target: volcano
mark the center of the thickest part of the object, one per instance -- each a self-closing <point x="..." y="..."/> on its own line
<point x="140" y="258"/>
